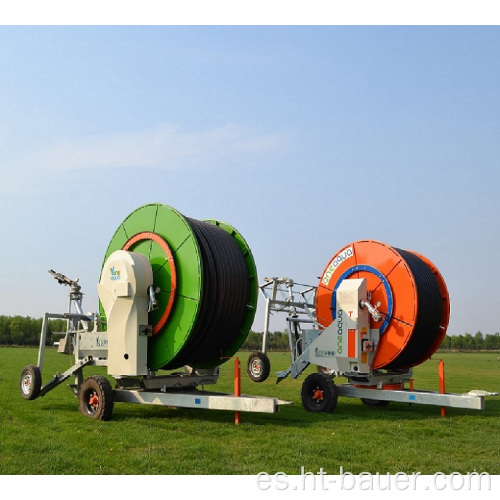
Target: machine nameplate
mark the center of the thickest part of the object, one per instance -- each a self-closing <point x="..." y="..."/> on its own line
<point x="332" y="267"/>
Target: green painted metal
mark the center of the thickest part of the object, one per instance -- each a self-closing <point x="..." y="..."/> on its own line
<point x="175" y="230"/>
<point x="172" y="226"/>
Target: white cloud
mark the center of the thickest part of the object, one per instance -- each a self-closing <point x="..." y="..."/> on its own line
<point x="163" y="146"/>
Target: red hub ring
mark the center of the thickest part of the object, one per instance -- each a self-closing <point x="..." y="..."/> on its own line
<point x="147" y="235"/>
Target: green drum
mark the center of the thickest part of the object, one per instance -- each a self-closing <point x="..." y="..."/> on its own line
<point x="205" y="280"/>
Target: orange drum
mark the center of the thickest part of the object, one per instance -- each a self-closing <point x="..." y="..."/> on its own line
<point x="412" y="294"/>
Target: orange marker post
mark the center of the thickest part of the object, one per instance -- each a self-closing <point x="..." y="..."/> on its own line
<point x="441" y="384"/>
<point x="237" y="383"/>
<point x="237" y="386"/>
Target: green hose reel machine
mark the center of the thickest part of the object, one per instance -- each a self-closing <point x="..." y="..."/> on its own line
<point x="205" y="283"/>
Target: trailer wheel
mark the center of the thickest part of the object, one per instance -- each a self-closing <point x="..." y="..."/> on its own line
<point x="376" y="403"/>
<point x="96" y="398"/>
<point x="258" y="366"/>
<point x="319" y="393"/>
<point x="30" y="382"/>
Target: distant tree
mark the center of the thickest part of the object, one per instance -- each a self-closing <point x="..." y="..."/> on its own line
<point x="19" y="330"/>
<point x="492" y="342"/>
<point x="478" y="341"/>
<point x="253" y="341"/>
<point x="446" y="342"/>
<point x="16" y="330"/>
<point x="469" y="342"/>
<point x="457" y="342"/>
<point x="5" y="330"/>
<point x="276" y="341"/>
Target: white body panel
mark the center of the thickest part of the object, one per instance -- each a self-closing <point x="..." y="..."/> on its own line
<point x="123" y="291"/>
<point x="346" y="346"/>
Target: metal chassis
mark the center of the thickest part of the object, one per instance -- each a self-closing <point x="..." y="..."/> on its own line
<point x="473" y="400"/>
<point x="300" y="310"/>
<point x="178" y="389"/>
<point x="368" y="386"/>
<point x="201" y="399"/>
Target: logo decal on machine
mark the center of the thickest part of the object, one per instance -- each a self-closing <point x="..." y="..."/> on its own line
<point x="115" y="274"/>
<point x="323" y="353"/>
<point x="101" y="342"/>
<point x="340" y="331"/>
<point x="341" y="257"/>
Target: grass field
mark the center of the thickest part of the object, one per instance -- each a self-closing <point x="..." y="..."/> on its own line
<point x="50" y="436"/>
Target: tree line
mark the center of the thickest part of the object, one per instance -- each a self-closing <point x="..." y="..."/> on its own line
<point x="25" y="331"/>
<point x="278" y="341"/>
<point x="468" y="342"/>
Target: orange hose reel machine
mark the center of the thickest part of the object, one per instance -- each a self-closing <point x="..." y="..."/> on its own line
<point x="413" y="298"/>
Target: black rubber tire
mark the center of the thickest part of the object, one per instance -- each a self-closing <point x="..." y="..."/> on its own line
<point x="319" y="393"/>
<point x="258" y="366"/>
<point x="376" y="403"/>
<point x="96" y="398"/>
<point x="30" y="382"/>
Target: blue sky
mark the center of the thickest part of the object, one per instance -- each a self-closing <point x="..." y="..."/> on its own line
<point x="304" y="138"/>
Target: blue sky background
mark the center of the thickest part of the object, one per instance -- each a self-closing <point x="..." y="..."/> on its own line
<point x="303" y="138"/>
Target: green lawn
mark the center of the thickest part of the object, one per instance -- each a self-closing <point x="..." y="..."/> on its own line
<point x="50" y="436"/>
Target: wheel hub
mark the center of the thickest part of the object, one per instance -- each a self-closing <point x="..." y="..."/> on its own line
<point x="256" y="367"/>
<point x="26" y="383"/>
<point x="94" y="401"/>
<point x="318" y="395"/>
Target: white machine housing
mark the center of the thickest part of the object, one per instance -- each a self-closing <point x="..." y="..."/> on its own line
<point x="346" y="346"/>
<point x="123" y="291"/>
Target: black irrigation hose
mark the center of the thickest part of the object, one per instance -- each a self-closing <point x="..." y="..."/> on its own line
<point x="429" y="313"/>
<point x="224" y="296"/>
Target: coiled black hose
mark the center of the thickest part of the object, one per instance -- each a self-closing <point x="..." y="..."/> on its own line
<point x="427" y="324"/>
<point x="224" y="297"/>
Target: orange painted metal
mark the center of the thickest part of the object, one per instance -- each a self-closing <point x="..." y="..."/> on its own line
<point x="147" y="235"/>
<point x="318" y="395"/>
<point x="237" y="386"/>
<point x="393" y="387"/>
<point x="403" y="288"/>
<point x="442" y="389"/>
<point x="385" y="387"/>
<point x="351" y="343"/>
